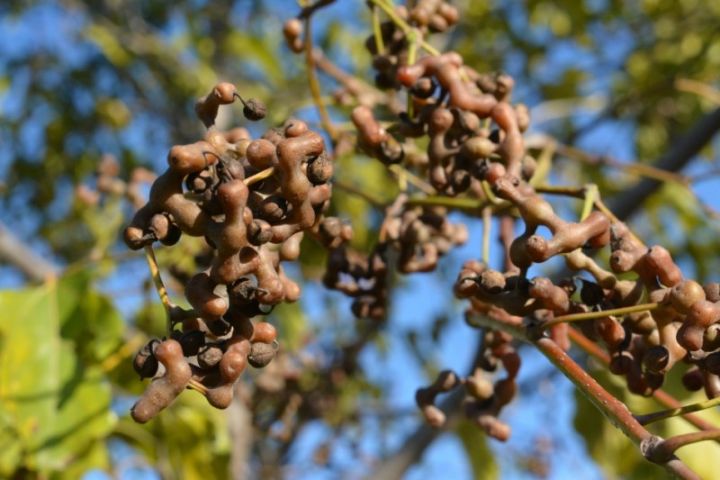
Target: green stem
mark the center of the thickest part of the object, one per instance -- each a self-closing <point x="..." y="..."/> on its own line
<point x="260" y="176"/>
<point x="404" y="175"/>
<point x="544" y="163"/>
<point x="159" y="285"/>
<point x="673" y="412"/>
<point x="591" y="194"/>
<point x="412" y="54"/>
<point x="490" y="195"/>
<point x="403" y="25"/>
<point x="377" y="30"/>
<point x="487" y="221"/>
<point x="449" y="202"/>
<point x="313" y="82"/>
<point x="577" y="317"/>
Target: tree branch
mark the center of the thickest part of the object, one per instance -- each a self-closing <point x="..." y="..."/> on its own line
<point x="682" y="151"/>
<point x="240" y="425"/>
<point x="395" y="465"/>
<point x="623" y="207"/>
<point x="14" y="252"/>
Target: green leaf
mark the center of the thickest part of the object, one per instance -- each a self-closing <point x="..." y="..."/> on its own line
<point x="108" y="44"/>
<point x="293" y="325"/>
<point x="54" y="398"/>
<point x="89" y="319"/>
<point x="256" y="50"/>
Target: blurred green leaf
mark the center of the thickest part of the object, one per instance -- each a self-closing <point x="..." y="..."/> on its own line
<point x="293" y="326"/>
<point x="55" y="407"/>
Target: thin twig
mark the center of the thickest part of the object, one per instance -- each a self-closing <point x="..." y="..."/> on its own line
<point x="460" y="203"/>
<point x="403" y="25"/>
<point x="576" y="192"/>
<point x="198" y="387"/>
<point x="159" y="285"/>
<point x="260" y="176"/>
<point x="313" y="81"/>
<point x="309" y="10"/>
<point x="412" y="178"/>
<point x="15" y="252"/>
<point x="359" y="192"/>
<point x="578" y="317"/>
<point x="591" y="194"/>
<point x="660" y="451"/>
<point x="631" y="168"/>
<point x="681" y="151"/>
<point x="673" y="412"/>
<point x="699" y="88"/>
<point x="615" y="410"/>
<point x="487" y="221"/>
<point x="377" y="31"/>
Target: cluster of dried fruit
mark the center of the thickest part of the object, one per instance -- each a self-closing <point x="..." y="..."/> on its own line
<point x="475" y="148"/>
<point x="252" y="201"/>
<point x="484" y="399"/>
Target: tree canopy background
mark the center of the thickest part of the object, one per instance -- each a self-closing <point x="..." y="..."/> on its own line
<point x="619" y="85"/>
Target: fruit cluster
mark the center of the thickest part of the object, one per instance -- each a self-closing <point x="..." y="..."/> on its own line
<point x="252" y="201"/>
<point x="473" y="147"/>
<point x="460" y="138"/>
<point x="484" y="399"/>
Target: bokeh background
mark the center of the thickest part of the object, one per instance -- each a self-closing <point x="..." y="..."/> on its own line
<point x="618" y="85"/>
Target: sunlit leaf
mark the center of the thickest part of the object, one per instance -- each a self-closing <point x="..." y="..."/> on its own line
<point x="54" y="406"/>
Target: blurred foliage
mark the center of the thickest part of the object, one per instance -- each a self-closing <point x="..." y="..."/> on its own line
<point x="609" y="447"/>
<point x="80" y="79"/>
<point x="55" y="397"/>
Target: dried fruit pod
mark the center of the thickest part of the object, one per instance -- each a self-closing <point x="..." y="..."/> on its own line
<point x="200" y="293"/>
<point x="145" y="363"/>
<point x="261" y="354"/>
<point x="192" y="342"/>
<point x="230" y="367"/>
<point x="549" y="296"/>
<point x="493" y="427"/>
<point x="479" y="387"/>
<point x="292" y="31"/>
<point x="433" y="415"/>
<point x="685" y="294"/>
<point x="163" y="390"/>
<point x="207" y="107"/>
<point x="693" y="379"/>
<point x="264" y="332"/>
<point x="621" y="362"/>
<point x="701" y="315"/>
<point x="505" y="390"/>
<point x="611" y="331"/>
<point x="209" y="356"/>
